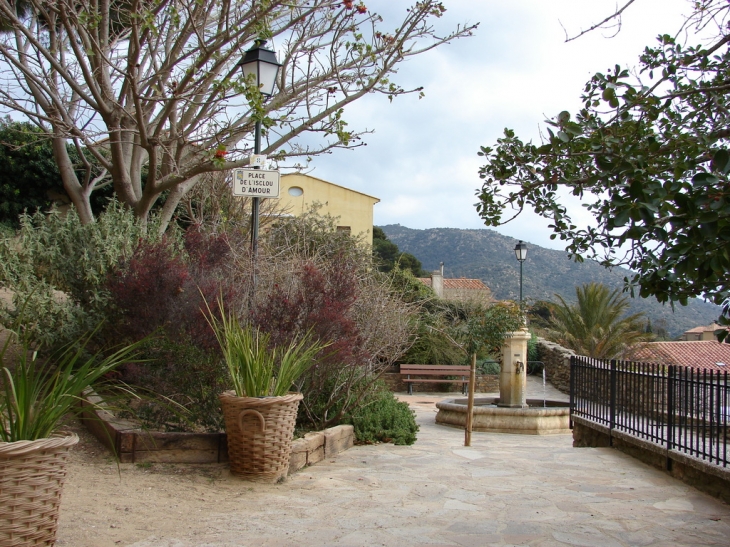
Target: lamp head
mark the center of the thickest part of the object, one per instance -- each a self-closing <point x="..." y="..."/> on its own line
<point x="263" y="64"/>
<point x="521" y="251"/>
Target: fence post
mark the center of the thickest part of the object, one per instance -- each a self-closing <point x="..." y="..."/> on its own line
<point x="670" y="413"/>
<point x="572" y="390"/>
<point x="612" y="409"/>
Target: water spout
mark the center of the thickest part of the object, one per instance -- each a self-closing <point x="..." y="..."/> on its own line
<point x="544" y="388"/>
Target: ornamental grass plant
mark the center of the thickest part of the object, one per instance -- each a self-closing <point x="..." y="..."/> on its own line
<point x="256" y="368"/>
<point x="35" y="397"/>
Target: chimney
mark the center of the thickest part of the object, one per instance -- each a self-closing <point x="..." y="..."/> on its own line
<point x="437" y="281"/>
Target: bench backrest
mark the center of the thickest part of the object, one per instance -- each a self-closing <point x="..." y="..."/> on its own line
<point x="434" y="370"/>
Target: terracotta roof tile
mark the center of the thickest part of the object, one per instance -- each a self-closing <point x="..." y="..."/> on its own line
<point x="704" y="354"/>
<point x="463" y="283"/>
<point x="460" y="283"/>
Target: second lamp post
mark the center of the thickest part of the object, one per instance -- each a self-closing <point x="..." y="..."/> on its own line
<point x="521" y="254"/>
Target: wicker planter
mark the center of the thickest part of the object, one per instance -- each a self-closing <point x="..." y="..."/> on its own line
<point x="31" y="479"/>
<point x="260" y="432"/>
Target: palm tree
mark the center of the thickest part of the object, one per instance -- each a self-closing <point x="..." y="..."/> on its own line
<point x="595" y="326"/>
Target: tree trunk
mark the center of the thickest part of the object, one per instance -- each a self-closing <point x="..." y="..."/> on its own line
<point x="76" y="192"/>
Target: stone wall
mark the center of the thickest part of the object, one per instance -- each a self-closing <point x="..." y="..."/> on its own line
<point x="315" y="447"/>
<point x="557" y="363"/>
<point x="485" y="383"/>
<point x="705" y="476"/>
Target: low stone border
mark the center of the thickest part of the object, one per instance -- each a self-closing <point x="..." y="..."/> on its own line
<point x="133" y="444"/>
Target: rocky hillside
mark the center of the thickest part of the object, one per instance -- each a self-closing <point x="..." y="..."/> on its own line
<point x="489" y="256"/>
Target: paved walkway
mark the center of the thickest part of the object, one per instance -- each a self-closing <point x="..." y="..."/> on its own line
<point x="505" y="490"/>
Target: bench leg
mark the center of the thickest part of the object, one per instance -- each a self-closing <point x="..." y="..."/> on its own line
<point x="410" y="388"/>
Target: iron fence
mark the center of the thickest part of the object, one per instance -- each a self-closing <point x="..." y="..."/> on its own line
<point x="680" y="408"/>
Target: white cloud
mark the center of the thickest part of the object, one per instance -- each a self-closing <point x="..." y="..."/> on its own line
<point x="421" y="161"/>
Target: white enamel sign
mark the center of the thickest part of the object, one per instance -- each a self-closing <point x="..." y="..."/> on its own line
<point x="259" y="183"/>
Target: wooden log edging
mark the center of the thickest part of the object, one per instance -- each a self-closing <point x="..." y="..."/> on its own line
<point x="133" y="444"/>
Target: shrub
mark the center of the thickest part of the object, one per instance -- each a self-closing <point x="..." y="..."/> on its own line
<point x="320" y="302"/>
<point x="165" y="286"/>
<point x="533" y="352"/>
<point x="144" y="289"/>
<point x="384" y="419"/>
<point x="56" y="267"/>
<point x="488" y="366"/>
<point x="190" y="379"/>
<point x="313" y="277"/>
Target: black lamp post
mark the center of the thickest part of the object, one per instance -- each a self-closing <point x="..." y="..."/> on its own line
<point x="521" y="254"/>
<point x="263" y="64"/>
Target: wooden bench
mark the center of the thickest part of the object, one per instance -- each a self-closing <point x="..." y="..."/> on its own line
<point x="436" y="374"/>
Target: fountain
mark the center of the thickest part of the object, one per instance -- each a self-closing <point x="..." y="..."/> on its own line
<point x="511" y="412"/>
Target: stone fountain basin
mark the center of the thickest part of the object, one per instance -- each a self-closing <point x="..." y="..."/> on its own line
<point x="551" y="419"/>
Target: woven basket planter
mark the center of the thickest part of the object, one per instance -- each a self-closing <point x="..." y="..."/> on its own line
<point x="260" y="431"/>
<point x="31" y="479"/>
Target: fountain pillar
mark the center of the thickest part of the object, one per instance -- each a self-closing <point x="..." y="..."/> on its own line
<point x="513" y="375"/>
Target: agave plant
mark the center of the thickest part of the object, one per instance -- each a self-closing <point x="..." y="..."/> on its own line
<point x="35" y="397"/>
<point x="256" y="368"/>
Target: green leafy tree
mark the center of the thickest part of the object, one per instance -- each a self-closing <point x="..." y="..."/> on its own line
<point x="155" y="92"/>
<point x="389" y="256"/>
<point x="30" y="177"/>
<point x="648" y="155"/>
<point x="596" y="326"/>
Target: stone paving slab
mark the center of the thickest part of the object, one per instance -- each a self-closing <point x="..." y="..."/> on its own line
<point x="504" y="490"/>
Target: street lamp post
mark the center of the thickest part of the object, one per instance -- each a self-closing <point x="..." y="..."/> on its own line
<point x="521" y="254"/>
<point x="264" y="66"/>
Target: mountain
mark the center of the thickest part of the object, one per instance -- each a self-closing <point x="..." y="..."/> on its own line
<point x="487" y="255"/>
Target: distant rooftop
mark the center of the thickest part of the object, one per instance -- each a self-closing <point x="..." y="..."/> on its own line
<point x="699" y="354"/>
<point x="702" y="333"/>
<point x="460" y="283"/>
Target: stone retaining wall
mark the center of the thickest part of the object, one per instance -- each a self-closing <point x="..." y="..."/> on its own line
<point x="709" y="478"/>
<point x="557" y="363"/>
<point x="485" y="383"/>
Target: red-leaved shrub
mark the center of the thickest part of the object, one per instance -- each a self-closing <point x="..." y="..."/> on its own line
<point x="320" y="300"/>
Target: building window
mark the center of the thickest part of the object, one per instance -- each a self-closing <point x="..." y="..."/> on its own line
<point x="345" y="229"/>
<point x="295" y="191"/>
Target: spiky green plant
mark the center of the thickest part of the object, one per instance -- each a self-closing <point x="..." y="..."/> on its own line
<point x="35" y="398"/>
<point x="256" y="368"/>
<point x="596" y="326"/>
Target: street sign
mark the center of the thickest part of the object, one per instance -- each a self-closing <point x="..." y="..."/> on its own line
<point x="257" y="183"/>
<point x="257" y="160"/>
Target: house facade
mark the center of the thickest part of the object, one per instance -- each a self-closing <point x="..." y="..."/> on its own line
<point x="353" y="210"/>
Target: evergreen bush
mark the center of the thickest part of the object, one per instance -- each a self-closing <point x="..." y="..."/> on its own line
<point x="56" y="268"/>
<point x="383" y="418"/>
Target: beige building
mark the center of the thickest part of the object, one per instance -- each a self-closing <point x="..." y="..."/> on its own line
<point x="701" y="333"/>
<point x="353" y="210"/>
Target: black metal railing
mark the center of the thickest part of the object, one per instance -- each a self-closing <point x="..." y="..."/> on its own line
<point x="675" y="407"/>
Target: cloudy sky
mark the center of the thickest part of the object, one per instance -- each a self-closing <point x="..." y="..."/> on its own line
<point x="517" y="70"/>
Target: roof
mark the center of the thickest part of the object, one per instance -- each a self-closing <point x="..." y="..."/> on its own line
<point x="708" y="328"/>
<point x="377" y="200"/>
<point x="699" y="354"/>
<point x="460" y="283"/>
